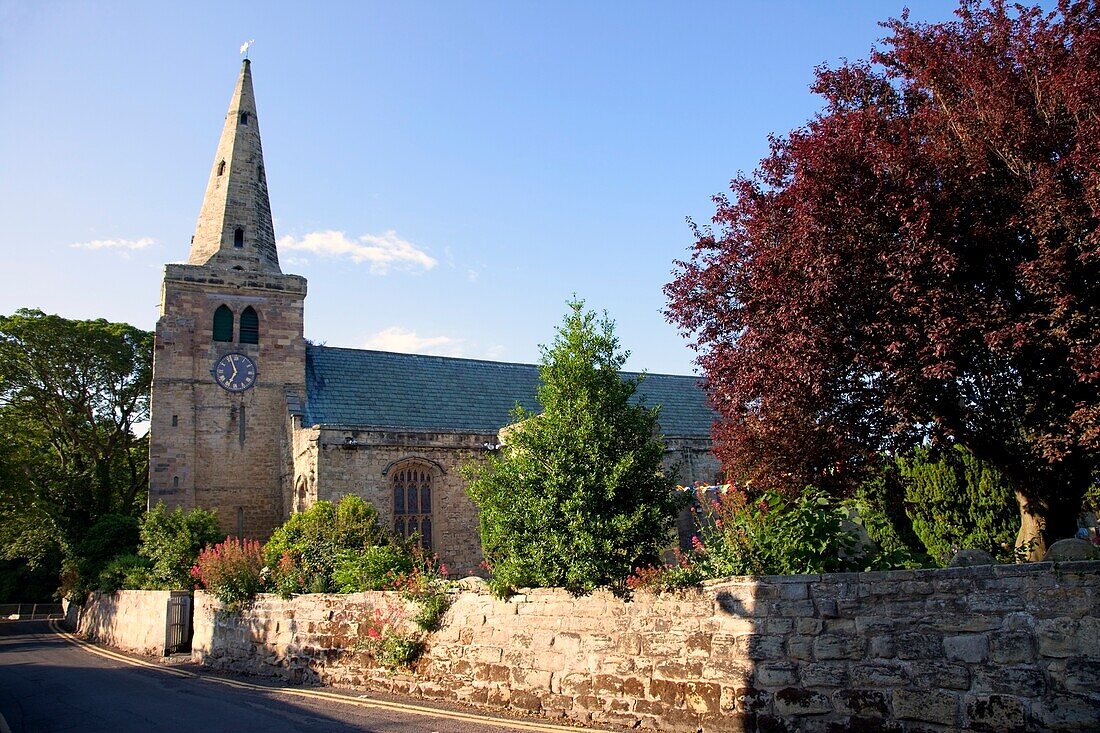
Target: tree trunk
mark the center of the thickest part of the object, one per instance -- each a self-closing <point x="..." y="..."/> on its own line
<point x="1030" y="542"/>
<point x="1042" y="523"/>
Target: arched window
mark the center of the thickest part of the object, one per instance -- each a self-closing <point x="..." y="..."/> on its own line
<point x="412" y="502"/>
<point x="250" y="326"/>
<point x="238" y="237"/>
<point x="223" y="324"/>
<point x="244" y="118"/>
<point x="260" y="173"/>
<point x="221" y="167"/>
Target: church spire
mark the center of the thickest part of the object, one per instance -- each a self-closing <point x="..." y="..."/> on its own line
<point x="234" y="227"/>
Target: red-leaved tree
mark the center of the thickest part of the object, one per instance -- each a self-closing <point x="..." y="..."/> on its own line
<point x="921" y="260"/>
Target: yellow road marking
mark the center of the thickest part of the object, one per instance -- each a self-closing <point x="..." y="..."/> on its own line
<point x="320" y="694"/>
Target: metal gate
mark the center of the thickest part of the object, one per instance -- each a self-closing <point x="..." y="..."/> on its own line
<point x="180" y="617"/>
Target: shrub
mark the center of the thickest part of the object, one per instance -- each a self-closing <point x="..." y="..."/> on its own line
<point x="426" y="585"/>
<point x="387" y="642"/>
<point x="663" y="578"/>
<point x="129" y="572"/>
<point x="288" y="578"/>
<point x="371" y="569"/>
<point x="172" y="540"/>
<point x="313" y="539"/>
<point x="958" y="502"/>
<point x="111" y="536"/>
<point x="232" y="571"/>
<point x="774" y="535"/>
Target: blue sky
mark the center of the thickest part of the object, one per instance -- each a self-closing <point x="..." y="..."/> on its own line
<point x="445" y="174"/>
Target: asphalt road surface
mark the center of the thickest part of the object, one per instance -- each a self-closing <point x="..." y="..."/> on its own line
<point x="49" y="682"/>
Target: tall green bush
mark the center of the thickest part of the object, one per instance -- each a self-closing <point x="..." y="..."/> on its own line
<point x="305" y="548"/>
<point x="580" y="492"/>
<point x="956" y="501"/>
<point x="172" y="540"/>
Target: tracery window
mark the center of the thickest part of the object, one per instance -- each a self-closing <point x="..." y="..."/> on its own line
<point x="412" y="502"/>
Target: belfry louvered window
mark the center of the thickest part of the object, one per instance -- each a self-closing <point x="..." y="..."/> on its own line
<point x="250" y="326"/>
<point x="223" y="324"/>
<point x="412" y="503"/>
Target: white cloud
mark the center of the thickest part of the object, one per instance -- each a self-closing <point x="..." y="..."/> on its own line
<point x="296" y="261"/>
<point x="383" y="252"/>
<point x="396" y="338"/>
<point x="121" y="247"/>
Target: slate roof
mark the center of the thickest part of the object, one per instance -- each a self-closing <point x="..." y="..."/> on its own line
<point x="380" y="389"/>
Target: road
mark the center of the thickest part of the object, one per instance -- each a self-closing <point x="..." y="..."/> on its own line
<point x="49" y="681"/>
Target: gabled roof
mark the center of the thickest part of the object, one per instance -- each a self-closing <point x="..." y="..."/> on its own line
<point x="380" y="389"/>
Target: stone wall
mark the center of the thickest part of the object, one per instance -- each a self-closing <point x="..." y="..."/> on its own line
<point x="994" y="648"/>
<point x="131" y="620"/>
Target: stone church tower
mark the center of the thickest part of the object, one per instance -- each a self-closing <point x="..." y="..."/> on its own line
<point x="228" y="347"/>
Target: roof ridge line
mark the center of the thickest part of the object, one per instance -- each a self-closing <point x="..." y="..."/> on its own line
<point x="484" y="361"/>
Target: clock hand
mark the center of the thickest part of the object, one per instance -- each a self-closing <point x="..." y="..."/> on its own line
<point x="234" y="377"/>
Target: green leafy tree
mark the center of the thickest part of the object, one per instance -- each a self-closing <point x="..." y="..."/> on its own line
<point x="956" y="501"/>
<point x="579" y="493"/>
<point x="172" y="540"/>
<point x="71" y="394"/>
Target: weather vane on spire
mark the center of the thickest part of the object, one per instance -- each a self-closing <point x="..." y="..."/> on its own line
<point x="245" y="46"/>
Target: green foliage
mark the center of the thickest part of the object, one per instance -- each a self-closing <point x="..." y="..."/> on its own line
<point x="232" y="571"/>
<point x="111" y="536"/>
<point x="579" y="492"/>
<point x="71" y="393"/>
<point x="371" y="569"/>
<point x="129" y="572"/>
<point x="387" y="640"/>
<point x="315" y="538"/>
<point x="19" y="583"/>
<point x="774" y="535"/>
<point x="397" y="651"/>
<point x="958" y="502"/>
<point x="666" y="578"/>
<point x="433" y="604"/>
<point x="425" y="584"/>
<point x="172" y="540"/>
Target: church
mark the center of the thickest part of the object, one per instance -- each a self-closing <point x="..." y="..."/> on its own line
<point x="250" y="419"/>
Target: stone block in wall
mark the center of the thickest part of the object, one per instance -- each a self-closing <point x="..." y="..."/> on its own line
<point x="1066" y="637"/>
<point x="834" y="646"/>
<point x="776" y="674"/>
<point x="823" y="674"/>
<point x="882" y="673"/>
<point x="918" y="645"/>
<point x="1026" y="681"/>
<point x="1069" y="712"/>
<point x="929" y="706"/>
<point x="971" y="648"/>
<point x="934" y="673"/>
<point x="862" y="703"/>
<point x="793" y="702"/>
<point x="995" y="713"/>
<point x="1076" y="674"/>
<point x="1012" y="647"/>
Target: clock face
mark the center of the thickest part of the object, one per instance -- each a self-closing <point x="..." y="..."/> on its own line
<point x="235" y="372"/>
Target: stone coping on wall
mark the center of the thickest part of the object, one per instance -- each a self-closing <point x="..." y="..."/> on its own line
<point x="993" y="648"/>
